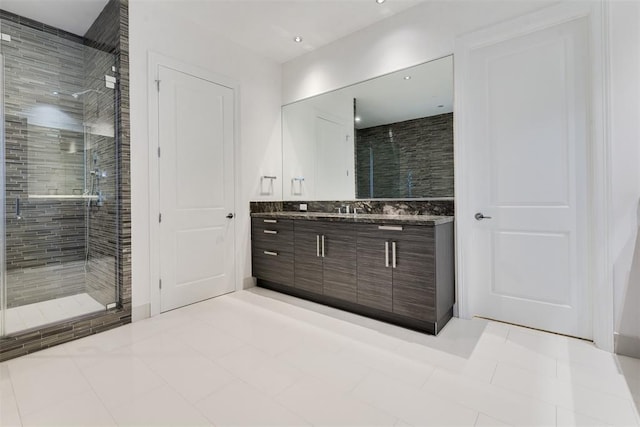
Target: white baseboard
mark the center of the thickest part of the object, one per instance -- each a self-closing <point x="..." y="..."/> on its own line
<point x="140" y="312"/>
<point x="627" y="345"/>
<point x="249" y="282"/>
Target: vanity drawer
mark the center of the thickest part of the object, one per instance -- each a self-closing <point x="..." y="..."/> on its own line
<point x="272" y="235"/>
<point x="273" y="266"/>
<point x="418" y="233"/>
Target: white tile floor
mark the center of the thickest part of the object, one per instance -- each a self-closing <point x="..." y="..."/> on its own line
<point x="51" y="311"/>
<point x="258" y="358"/>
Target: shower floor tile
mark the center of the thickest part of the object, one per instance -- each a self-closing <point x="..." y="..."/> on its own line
<point x="45" y="312"/>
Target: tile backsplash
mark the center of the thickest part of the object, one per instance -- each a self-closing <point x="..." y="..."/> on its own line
<point x="389" y="207"/>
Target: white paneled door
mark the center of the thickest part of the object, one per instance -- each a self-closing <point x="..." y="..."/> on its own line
<point x="332" y="160"/>
<point x="526" y="134"/>
<point x="196" y="189"/>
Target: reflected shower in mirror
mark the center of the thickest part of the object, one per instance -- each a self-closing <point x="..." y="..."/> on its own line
<point x="390" y="137"/>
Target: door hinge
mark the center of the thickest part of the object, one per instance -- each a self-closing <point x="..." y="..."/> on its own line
<point x="158" y="85"/>
<point x="159" y="217"/>
<point x="158" y="151"/>
<point x="160" y="283"/>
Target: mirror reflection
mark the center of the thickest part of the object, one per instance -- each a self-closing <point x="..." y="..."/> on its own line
<point x="389" y="137"/>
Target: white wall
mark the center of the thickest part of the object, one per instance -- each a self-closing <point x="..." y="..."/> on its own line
<point x="419" y="34"/>
<point x="158" y="26"/>
<point x="428" y="31"/>
<point x="624" y="33"/>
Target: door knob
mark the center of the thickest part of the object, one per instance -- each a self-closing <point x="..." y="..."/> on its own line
<point x="230" y="215"/>
<point x="480" y="217"/>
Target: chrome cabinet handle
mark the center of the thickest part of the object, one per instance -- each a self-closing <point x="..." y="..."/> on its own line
<point x="480" y="217"/>
<point x="390" y="227"/>
<point x="386" y="254"/>
<point x="317" y="245"/>
<point x="393" y="259"/>
<point x="323" y="246"/>
<point x="270" y="232"/>
<point x="271" y="221"/>
<point x="271" y="253"/>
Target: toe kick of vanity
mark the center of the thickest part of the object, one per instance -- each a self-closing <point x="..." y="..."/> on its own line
<point x="399" y="269"/>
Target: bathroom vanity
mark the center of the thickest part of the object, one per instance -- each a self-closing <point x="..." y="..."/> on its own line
<point x="380" y="147"/>
<point x="395" y="268"/>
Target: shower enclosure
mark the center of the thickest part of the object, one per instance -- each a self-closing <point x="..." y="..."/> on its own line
<point x="58" y="176"/>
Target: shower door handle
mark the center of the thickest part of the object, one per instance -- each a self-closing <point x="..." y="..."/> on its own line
<point x="18" y="210"/>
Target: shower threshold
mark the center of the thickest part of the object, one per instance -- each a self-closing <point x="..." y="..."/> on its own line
<point x="52" y="311"/>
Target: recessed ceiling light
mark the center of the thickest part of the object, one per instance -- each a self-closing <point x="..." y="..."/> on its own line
<point x="380" y="1"/>
<point x="407" y="77"/>
<point x="297" y="39"/>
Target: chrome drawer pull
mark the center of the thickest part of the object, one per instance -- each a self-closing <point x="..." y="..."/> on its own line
<point x="270" y="232"/>
<point x="271" y="253"/>
<point x="317" y="245"/>
<point x="390" y="227"/>
<point x="271" y="221"/>
<point x="323" y="246"/>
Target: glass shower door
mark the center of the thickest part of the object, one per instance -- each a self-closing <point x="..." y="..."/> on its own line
<point x="59" y="231"/>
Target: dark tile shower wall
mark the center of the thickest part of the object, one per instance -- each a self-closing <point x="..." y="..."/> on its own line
<point x="413" y="158"/>
<point x="43" y="149"/>
<point x="34" y="340"/>
<point x="123" y="157"/>
<point x="100" y="114"/>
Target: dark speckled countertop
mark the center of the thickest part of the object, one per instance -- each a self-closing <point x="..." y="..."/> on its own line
<point x="360" y="218"/>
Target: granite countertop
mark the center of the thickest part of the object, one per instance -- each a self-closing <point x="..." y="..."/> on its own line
<point x="360" y="218"/>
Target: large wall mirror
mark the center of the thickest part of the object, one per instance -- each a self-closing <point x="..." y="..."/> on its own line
<point x="390" y="137"/>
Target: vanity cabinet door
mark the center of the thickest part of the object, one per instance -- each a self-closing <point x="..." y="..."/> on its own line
<point x="414" y="274"/>
<point x="339" y="262"/>
<point x="395" y="269"/>
<point x="374" y="278"/>
<point x="308" y="256"/>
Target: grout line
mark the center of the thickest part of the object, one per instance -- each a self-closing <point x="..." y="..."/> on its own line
<point x="477" y="418"/>
<point x="15" y="397"/>
<point x="495" y="369"/>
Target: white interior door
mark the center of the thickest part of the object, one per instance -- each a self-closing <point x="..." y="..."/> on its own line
<point x="526" y="137"/>
<point x="196" y="189"/>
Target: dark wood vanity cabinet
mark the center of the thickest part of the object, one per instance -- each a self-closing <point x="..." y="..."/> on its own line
<point x="397" y="268"/>
<point x="325" y="258"/>
<point x="402" y="274"/>
<point x="272" y="250"/>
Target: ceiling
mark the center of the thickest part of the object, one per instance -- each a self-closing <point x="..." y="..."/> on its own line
<point x="74" y="16"/>
<point x="266" y="27"/>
